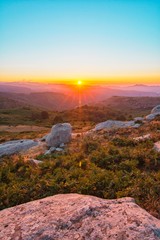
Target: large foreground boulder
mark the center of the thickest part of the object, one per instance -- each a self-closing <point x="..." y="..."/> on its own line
<point x="16" y="146"/>
<point x="113" y="124"/>
<point x="74" y="216"/>
<point x="60" y="133"/>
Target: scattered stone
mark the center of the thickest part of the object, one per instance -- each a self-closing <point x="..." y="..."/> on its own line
<point x="60" y="133"/>
<point x="112" y="124"/>
<point x="157" y="146"/>
<point x="138" y="119"/>
<point x="136" y="125"/>
<point x="142" y="138"/>
<point x="47" y="152"/>
<point x="59" y="149"/>
<point x="62" y="145"/>
<point x="34" y="162"/>
<point x="75" y="216"/>
<point x="52" y="149"/>
<point x="16" y="146"/>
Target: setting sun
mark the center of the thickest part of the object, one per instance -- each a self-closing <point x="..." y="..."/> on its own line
<point x="79" y="82"/>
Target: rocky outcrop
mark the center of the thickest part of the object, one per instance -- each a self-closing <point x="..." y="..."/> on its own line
<point x="154" y="113"/>
<point x="55" y="141"/>
<point x="151" y="117"/>
<point x="156" y="110"/>
<point x="60" y="134"/>
<point x="74" y="216"/>
<point x="16" y="146"/>
<point x="112" y="124"/>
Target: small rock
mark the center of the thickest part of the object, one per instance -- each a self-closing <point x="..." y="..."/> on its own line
<point x="157" y="146"/>
<point x="52" y="149"/>
<point x="35" y="162"/>
<point x="138" y="119"/>
<point x="141" y="138"/>
<point x="59" y="149"/>
<point x="47" y="152"/>
<point x="62" y="145"/>
<point x="136" y="125"/>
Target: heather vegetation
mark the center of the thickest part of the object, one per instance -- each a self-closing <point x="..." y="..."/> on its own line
<point x="106" y="164"/>
<point x="86" y="115"/>
<point x="80" y="118"/>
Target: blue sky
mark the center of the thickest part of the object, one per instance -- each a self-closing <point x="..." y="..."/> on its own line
<point x="68" y="39"/>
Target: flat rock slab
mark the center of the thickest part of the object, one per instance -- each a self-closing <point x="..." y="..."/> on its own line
<point x="156" y="109"/>
<point x="74" y="216"/>
<point x="16" y="146"/>
<point x="152" y="116"/>
<point x="113" y="124"/>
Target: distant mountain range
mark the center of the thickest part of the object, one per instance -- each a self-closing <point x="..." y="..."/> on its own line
<point x="146" y="88"/>
<point x="14" y="89"/>
<point x="60" y="97"/>
<point x="28" y="87"/>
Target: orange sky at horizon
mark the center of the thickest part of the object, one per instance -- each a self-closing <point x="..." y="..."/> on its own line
<point x="97" y="42"/>
<point x="154" y="79"/>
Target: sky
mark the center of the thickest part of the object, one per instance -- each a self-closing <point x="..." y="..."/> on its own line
<point x="88" y="40"/>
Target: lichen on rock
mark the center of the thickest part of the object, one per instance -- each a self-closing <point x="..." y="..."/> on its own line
<point x="74" y="216"/>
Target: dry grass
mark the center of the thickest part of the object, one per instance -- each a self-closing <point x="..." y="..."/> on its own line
<point x="21" y="128"/>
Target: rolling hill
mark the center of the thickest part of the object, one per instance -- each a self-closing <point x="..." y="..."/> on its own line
<point x="45" y="100"/>
<point x="139" y="105"/>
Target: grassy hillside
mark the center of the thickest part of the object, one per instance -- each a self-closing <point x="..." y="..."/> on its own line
<point x="132" y="105"/>
<point x="82" y="119"/>
<point x="45" y="100"/>
<point x="78" y="117"/>
<point x="108" y="165"/>
<point x="21" y="115"/>
<point x="27" y="109"/>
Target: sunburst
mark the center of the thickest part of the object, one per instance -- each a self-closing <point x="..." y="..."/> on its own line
<point x="79" y="83"/>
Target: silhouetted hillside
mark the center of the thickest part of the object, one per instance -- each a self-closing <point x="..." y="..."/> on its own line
<point x="49" y="101"/>
<point x="141" y="104"/>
